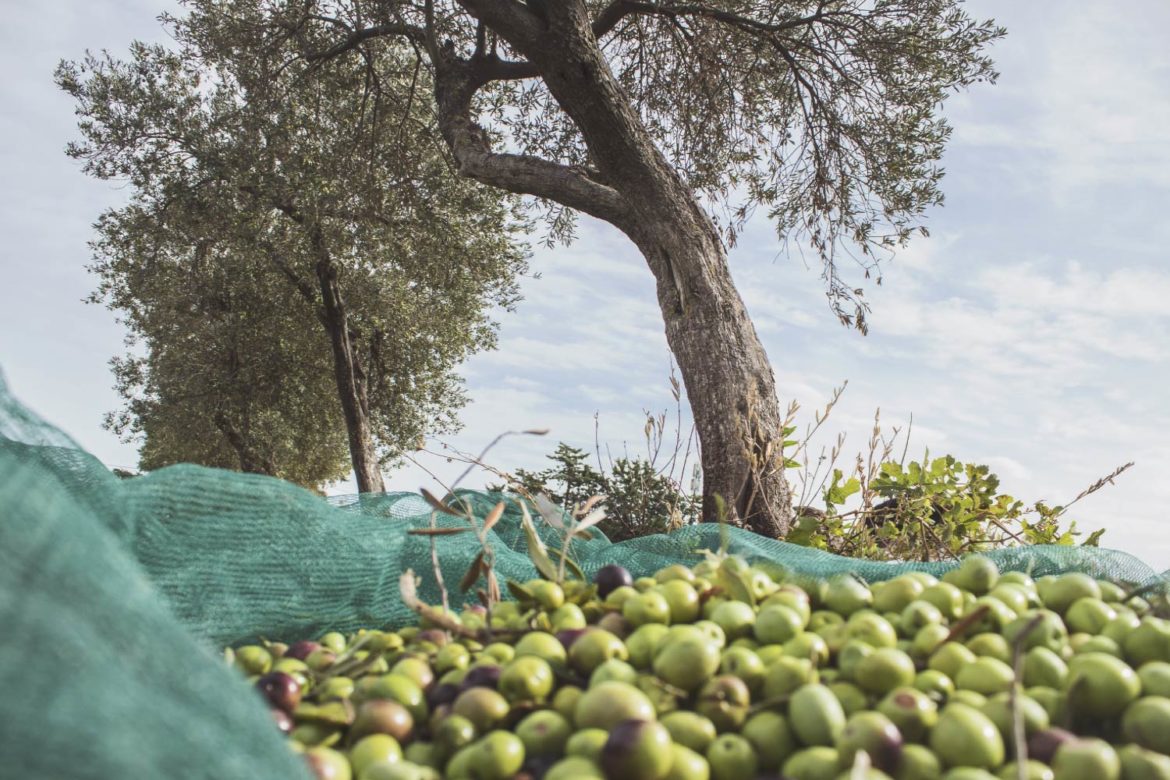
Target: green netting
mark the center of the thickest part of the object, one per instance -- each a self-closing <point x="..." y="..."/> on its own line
<point x="115" y="595"/>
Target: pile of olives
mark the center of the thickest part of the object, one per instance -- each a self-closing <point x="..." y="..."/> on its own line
<point x="728" y="671"/>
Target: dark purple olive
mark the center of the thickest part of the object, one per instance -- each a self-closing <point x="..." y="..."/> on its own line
<point x="1042" y="745"/>
<point x="568" y="636"/>
<point x="441" y="693"/>
<point x="481" y="677"/>
<point x="300" y="650"/>
<point x="435" y="636"/>
<point x="284" y="721"/>
<point x="610" y="578"/>
<point x="535" y="767"/>
<point x="281" y="690"/>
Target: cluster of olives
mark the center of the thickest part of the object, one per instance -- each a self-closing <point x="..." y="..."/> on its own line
<point x="727" y="671"/>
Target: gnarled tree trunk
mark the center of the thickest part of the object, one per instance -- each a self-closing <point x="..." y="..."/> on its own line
<point x="726" y="372"/>
<point x="729" y="381"/>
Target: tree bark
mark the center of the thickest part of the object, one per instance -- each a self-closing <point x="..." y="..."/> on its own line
<point x="251" y="462"/>
<point x="351" y="383"/>
<point x="726" y="372"/>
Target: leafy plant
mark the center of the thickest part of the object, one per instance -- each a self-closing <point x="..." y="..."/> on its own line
<point x="929" y="510"/>
<point x="639" y="499"/>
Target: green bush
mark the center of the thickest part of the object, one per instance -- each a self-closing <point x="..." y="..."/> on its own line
<point x="933" y="510"/>
<point x="639" y="500"/>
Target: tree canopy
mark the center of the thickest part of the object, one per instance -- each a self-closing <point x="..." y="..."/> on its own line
<point x="226" y="374"/>
<point x="823" y="113"/>
<point x="274" y="215"/>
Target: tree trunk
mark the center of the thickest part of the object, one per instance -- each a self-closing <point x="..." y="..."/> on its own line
<point x="728" y="379"/>
<point x="351" y="383"/>
<point x="251" y="462"/>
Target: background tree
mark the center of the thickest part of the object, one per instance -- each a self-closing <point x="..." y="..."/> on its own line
<point x="640" y="499"/>
<point x="674" y="120"/>
<point x="227" y="373"/>
<point x="328" y="183"/>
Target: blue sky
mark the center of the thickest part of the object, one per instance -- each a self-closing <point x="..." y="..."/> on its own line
<point x="1031" y="332"/>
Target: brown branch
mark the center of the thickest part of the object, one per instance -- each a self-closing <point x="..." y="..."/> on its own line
<point x="613" y="14"/>
<point x="357" y="37"/>
<point x="456" y="82"/>
<point x="492" y="68"/>
<point x="307" y="291"/>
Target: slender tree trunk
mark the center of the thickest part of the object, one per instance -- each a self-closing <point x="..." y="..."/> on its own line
<point x="351" y="383"/>
<point x="352" y="387"/>
<point x="251" y="462"/>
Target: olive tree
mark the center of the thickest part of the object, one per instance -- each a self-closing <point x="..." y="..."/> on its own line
<point x="674" y="122"/>
<point x="329" y="184"/>
<point x="223" y="371"/>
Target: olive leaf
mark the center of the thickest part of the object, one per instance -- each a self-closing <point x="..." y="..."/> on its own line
<point x="493" y="517"/>
<point x="436" y="531"/>
<point x="437" y="504"/>
<point x="569" y="563"/>
<point x="590" y="520"/>
<point x="549" y="511"/>
<point x="735" y="583"/>
<point x="473" y="573"/>
<point x="537" y="552"/>
<point x="493" y="586"/>
<point x="590" y="503"/>
<point x="333" y="713"/>
<point x="408" y="589"/>
<point x="518" y="591"/>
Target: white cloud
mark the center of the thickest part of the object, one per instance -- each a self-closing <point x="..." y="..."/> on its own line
<point x="1088" y="80"/>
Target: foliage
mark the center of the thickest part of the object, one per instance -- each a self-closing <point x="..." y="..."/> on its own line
<point x="939" y="508"/>
<point x="824" y="115"/>
<point x="639" y="500"/>
<point x="230" y="376"/>
<point x="251" y="187"/>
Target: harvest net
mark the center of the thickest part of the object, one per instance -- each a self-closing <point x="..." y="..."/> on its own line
<point x="115" y="595"/>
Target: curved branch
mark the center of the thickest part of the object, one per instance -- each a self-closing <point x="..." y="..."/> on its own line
<point x="612" y="15"/>
<point x="357" y="37"/>
<point x="456" y="82"/>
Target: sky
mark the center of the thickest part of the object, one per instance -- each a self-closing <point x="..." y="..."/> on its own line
<point x="1030" y="332"/>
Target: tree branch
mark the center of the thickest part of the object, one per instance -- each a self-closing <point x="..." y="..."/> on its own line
<point x="456" y="82"/>
<point x="357" y="37"/>
<point x="492" y="68"/>
<point x="307" y="291"/>
<point x="613" y="13"/>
